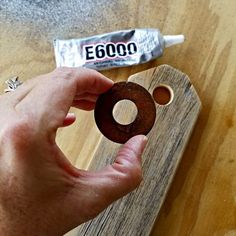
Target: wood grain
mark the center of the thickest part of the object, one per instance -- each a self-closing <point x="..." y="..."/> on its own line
<point x="135" y="214"/>
<point x="201" y="200"/>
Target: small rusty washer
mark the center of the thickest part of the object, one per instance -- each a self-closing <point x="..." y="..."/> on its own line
<point x="145" y="117"/>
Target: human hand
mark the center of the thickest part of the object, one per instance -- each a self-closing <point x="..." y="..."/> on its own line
<point x="41" y="193"/>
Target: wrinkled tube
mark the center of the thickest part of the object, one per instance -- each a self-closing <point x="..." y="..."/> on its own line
<point x="113" y="50"/>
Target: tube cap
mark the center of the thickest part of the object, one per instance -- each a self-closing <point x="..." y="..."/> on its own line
<point x="173" y="39"/>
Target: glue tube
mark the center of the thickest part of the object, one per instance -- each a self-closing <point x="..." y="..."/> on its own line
<point x="112" y="50"/>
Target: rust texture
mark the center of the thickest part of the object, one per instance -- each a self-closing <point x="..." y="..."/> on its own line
<point x="144" y="120"/>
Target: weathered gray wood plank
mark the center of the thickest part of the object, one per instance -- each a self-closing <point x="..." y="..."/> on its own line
<point x="135" y="214"/>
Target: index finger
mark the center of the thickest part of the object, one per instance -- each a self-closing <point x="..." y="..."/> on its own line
<point x="52" y="96"/>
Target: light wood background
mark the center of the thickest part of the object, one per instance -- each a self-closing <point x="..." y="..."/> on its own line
<point x="202" y="198"/>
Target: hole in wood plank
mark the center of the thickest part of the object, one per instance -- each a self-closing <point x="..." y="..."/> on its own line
<point x="124" y="112"/>
<point x="163" y="95"/>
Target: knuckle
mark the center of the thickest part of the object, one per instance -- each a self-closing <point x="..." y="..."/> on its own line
<point x="131" y="168"/>
<point x="64" y="72"/>
<point x="131" y="174"/>
<point x="130" y="151"/>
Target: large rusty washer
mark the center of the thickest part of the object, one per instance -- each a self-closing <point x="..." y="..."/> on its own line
<point x="145" y="117"/>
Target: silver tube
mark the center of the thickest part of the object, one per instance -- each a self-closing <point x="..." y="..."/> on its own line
<point x="112" y="50"/>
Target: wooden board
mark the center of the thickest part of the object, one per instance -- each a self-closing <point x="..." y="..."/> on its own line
<point x="135" y="214"/>
<point x="201" y="200"/>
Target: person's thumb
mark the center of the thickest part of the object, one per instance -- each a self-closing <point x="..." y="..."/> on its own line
<point x="125" y="174"/>
<point x="114" y="181"/>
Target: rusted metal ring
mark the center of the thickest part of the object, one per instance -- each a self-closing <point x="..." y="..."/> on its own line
<point x="144" y="120"/>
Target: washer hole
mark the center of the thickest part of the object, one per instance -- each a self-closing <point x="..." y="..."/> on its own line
<point x="163" y="94"/>
<point x="125" y="112"/>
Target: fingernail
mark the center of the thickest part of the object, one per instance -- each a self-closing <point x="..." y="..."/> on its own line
<point x="141" y="144"/>
<point x="70" y="115"/>
<point x="111" y="81"/>
<point x="107" y="79"/>
<point x="144" y="143"/>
